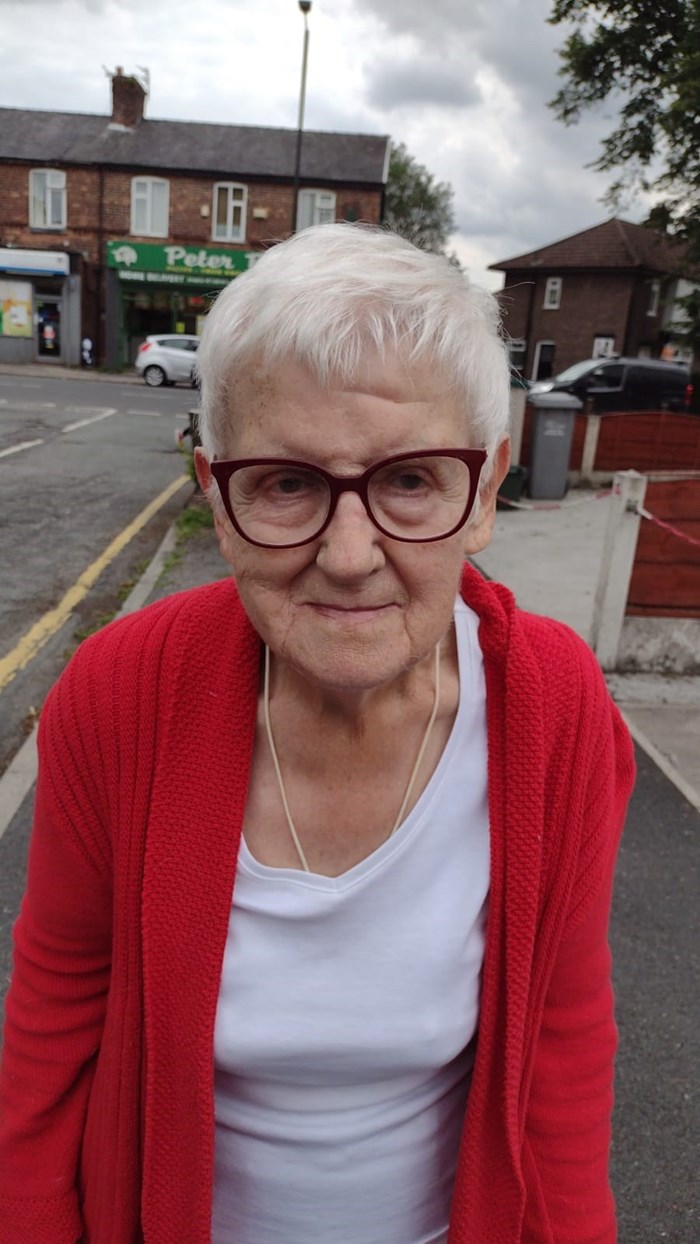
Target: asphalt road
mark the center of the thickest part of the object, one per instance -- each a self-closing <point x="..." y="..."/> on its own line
<point x="85" y="458"/>
<point x="655" y="936"/>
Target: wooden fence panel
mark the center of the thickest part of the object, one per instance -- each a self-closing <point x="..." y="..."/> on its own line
<point x="645" y="441"/>
<point x="648" y="441"/>
<point x="665" y="578"/>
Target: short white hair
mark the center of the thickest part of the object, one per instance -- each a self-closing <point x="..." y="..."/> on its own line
<point x="334" y="293"/>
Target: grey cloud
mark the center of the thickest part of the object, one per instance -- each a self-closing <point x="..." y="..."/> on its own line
<point x="391" y="85"/>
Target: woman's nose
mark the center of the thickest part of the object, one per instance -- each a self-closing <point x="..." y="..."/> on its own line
<point x="350" y="547"/>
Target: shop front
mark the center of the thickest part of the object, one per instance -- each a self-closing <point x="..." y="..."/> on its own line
<point x="161" y="289"/>
<point x="39" y="308"/>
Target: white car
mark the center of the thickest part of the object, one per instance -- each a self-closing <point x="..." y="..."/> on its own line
<point x="166" y="358"/>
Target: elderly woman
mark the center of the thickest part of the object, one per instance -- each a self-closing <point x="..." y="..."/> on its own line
<point x="343" y="977"/>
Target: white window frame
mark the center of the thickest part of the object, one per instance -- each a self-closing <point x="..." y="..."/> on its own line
<point x="232" y="233"/>
<point x="603" y="347"/>
<point x="517" y="346"/>
<point x="552" y="293"/>
<point x="323" y="202"/>
<point x="55" y="181"/>
<point x="149" y="182"/>
<point x="654" y="297"/>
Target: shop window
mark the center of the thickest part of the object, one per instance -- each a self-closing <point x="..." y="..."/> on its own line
<point x="315" y="207"/>
<point x="149" y="207"/>
<point x="552" y="293"/>
<point x="230" y="204"/>
<point x="47" y="199"/>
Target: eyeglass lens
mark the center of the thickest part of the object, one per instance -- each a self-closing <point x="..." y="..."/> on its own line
<point x="413" y="499"/>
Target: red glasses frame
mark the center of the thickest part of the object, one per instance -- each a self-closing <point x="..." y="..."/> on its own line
<point x="474" y="459"/>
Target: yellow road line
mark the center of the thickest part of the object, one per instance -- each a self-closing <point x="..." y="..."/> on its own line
<point x="41" y="632"/>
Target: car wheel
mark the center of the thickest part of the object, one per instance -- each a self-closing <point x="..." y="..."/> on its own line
<point x="154" y="376"/>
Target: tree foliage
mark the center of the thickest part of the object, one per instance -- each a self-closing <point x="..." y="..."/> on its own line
<point x="415" y="205"/>
<point x="643" y="57"/>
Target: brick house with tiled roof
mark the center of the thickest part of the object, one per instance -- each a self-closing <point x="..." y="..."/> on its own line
<point x="607" y="290"/>
<point x="114" y="227"/>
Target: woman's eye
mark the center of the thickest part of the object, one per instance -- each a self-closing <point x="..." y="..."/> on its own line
<point x="409" y="481"/>
<point x="290" y="484"/>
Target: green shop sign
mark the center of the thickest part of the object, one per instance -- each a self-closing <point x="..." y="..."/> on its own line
<point x="177" y="265"/>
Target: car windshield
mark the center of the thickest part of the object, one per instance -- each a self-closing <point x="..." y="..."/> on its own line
<point x="576" y="370"/>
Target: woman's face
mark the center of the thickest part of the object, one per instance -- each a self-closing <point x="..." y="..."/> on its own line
<point x="354" y="609"/>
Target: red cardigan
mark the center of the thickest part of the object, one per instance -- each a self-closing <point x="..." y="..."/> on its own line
<point x="106" y="1091"/>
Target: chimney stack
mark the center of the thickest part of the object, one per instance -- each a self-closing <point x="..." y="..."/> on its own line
<point x="128" y="99"/>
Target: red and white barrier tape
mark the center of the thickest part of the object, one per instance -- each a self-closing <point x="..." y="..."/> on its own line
<point x="555" y="505"/>
<point x="675" y="531"/>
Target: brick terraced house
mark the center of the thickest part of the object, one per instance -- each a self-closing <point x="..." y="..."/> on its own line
<point x="117" y="227"/>
<point x="612" y="289"/>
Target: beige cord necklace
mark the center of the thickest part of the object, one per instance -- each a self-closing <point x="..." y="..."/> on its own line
<point x="276" y="763"/>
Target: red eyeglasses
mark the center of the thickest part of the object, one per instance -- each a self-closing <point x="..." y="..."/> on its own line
<point x="281" y="503"/>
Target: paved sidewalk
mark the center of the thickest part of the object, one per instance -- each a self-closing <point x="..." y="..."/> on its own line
<point x="550" y="560"/>
<point x="53" y="371"/>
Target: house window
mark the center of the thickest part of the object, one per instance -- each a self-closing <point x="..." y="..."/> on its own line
<point x="47" y="199"/>
<point x="654" y="296"/>
<point x="229" y="214"/>
<point x="552" y="293"/>
<point x="518" y="351"/>
<point x="603" y="347"/>
<point x="315" y="207"/>
<point x="149" y="207"/>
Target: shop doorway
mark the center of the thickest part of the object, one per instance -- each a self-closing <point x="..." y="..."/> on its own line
<point x="148" y="312"/>
<point x="48" y="329"/>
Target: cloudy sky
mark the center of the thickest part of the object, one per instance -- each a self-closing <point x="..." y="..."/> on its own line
<point x="464" y="83"/>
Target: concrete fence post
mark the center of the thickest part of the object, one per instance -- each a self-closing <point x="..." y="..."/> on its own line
<point x="629" y="490"/>
<point x="518" y="398"/>
<point x="590" y="447"/>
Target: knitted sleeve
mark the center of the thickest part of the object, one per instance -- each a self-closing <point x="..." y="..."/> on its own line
<point x="568" y="1121"/>
<point x="56" y="1002"/>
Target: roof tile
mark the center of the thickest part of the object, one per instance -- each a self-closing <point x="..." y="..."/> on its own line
<point x="614" y="244"/>
<point x="191" y="146"/>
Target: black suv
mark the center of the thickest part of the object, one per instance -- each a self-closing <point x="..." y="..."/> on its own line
<point x="624" y="384"/>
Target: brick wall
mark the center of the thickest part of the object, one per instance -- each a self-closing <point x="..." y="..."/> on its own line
<point x="82" y="237"/>
<point x="593" y="304"/>
<point x="186" y="223"/>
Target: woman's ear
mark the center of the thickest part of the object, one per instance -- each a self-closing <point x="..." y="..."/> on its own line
<point x="221" y="524"/>
<point x="202" y="470"/>
<point x="478" y="533"/>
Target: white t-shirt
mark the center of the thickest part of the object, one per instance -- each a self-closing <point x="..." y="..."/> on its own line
<point x="347" y="1010"/>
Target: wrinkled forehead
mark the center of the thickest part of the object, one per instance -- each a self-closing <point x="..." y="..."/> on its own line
<point x="287" y="399"/>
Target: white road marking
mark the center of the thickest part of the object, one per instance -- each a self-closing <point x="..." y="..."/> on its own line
<point x="17" y="780"/>
<point x="71" y="427"/>
<point x="34" y="406"/>
<point x="155" y="414"/>
<point x="84" y="410"/>
<point x="15" y="449"/>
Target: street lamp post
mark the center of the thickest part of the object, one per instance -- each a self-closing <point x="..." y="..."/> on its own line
<point x="305" y="6"/>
